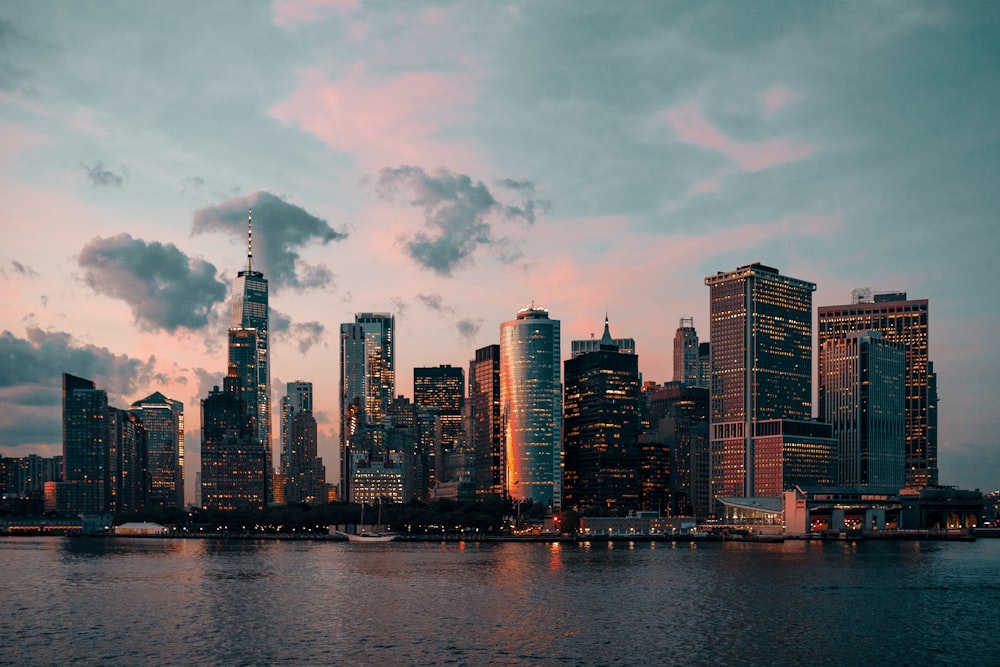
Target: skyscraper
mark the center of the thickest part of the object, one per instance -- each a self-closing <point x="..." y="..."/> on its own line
<point x="249" y="349"/>
<point x="441" y="390"/>
<point x="486" y="427"/>
<point x="905" y="321"/>
<point x="367" y="386"/>
<point x="861" y="394"/>
<point x="531" y="406"/>
<point x="303" y="470"/>
<point x="163" y="420"/>
<point x="686" y="367"/>
<point x="761" y="366"/>
<point x="233" y="459"/>
<point x="85" y="443"/>
<point x="675" y="462"/>
<point x="601" y="429"/>
<point x="127" y="478"/>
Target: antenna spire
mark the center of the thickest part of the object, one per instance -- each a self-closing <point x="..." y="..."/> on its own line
<point x="250" y="239"/>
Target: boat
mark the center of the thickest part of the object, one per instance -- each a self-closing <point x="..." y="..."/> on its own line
<point x="371" y="536"/>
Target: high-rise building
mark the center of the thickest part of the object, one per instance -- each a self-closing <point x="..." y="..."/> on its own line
<point x="675" y="462"/>
<point x="85" y="444"/>
<point x="367" y="386"/>
<point x="861" y="394"/>
<point x="588" y="345"/>
<point x="127" y="478"/>
<point x="163" y="420"/>
<point x="601" y="429"/>
<point x="531" y="406"/>
<point x="234" y="473"/>
<point x="441" y="390"/>
<point x="686" y="366"/>
<point x="302" y="469"/>
<point x="905" y="321"/>
<point x="486" y="431"/>
<point x="761" y="366"/>
<point x="249" y="347"/>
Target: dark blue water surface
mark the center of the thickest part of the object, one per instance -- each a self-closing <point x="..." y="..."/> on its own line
<point x="215" y="602"/>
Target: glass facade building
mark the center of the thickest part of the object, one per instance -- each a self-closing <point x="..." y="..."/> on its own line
<point x="163" y="420"/>
<point x="531" y="406"/>
<point x="904" y="321"/>
<point x="687" y="368"/>
<point x="761" y="365"/>
<point x="485" y="424"/>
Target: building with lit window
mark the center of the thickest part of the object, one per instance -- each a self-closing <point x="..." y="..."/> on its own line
<point x="249" y="347"/>
<point x="367" y="386"/>
<point x="687" y="369"/>
<point x="900" y="320"/>
<point x="761" y="367"/>
<point x="234" y="473"/>
<point x="601" y="430"/>
<point x="861" y="394"/>
<point x="127" y="480"/>
<point x="486" y="430"/>
<point x="531" y="406"/>
<point x="441" y="390"/>
<point x="163" y="420"/>
<point x="675" y="466"/>
<point x="85" y="436"/>
<point x="303" y="472"/>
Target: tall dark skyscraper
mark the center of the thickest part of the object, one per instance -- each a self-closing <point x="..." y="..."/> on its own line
<point x="441" y="391"/>
<point x="304" y="473"/>
<point x="126" y="469"/>
<point x="905" y="321"/>
<point x="249" y="347"/>
<point x="601" y="429"/>
<point x="486" y="427"/>
<point x="686" y="361"/>
<point x="761" y="366"/>
<point x="531" y="406"/>
<point x="163" y="420"/>
<point x="861" y="394"/>
<point x="233" y="459"/>
<point x="367" y="387"/>
<point x="675" y="461"/>
<point x="85" y="444"/>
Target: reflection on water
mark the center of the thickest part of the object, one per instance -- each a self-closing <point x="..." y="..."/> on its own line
<point x="151" y="601"/>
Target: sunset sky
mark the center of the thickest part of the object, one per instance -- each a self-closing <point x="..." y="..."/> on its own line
<point x="452" y="163"/>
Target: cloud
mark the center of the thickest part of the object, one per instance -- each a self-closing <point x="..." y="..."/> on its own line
<point x="458" y="215"/>
<point x="280" y="229"/>
<point x="165" y="288"/>
<point x="13" y="77"/>
<point x="434" y="302"/>
<point x="777" y="97"/>
<point x="691" y="127"/>
<point x="101" y="177"/>
<point x="20" y="269"/>
<point x="192" y="183"/>
<point x="291" y="13"/>
<point x="380" y="120"/>
<point x="303" y="334"/>
<point x="399" y="307"/>
<point x="469" y="328"/>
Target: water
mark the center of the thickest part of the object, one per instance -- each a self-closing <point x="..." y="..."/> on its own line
<point x="214" y="602"/>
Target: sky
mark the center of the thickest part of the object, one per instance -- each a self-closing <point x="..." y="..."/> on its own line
<point x="454" y="162"/>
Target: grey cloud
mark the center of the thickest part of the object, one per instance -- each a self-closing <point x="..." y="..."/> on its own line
<point x="434" y="302"/>
<point x="468" y="328"/>
<point x="102" y="177"/>
<point x="192" y="183"/>
<point x="399" y="307"/>
<point x="165" y="288"/>
<point x="278" y="322"/>
<point x="307" y="334"/>
<point x="43" y="357"/>
<point x="457" y="214"/>
<point x="22" y="269"/>
<point x="280" y="230"/>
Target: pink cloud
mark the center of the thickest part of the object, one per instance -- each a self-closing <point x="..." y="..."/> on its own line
<point x="379" y="120"/>
<point x="290" y="13"/>
<point x="777" y="97"/>
<point x="691" y="127"/>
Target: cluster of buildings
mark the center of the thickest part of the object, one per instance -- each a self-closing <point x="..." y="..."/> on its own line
<point x="730" y="437"/>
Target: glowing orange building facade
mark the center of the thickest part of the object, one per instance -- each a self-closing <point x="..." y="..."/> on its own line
<point x="531" y="406"/>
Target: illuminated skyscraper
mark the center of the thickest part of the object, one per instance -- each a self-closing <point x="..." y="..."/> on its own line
<point x="249" y="348"/>
<point x="163" y="420"/>
<point x="675" y="462"/>
<point x="686" y="361"/>
<point x="905" y="321"/>
<point x="367" y="386"/>
<point x="85" y="444"/>
<point x="601" y="429"/>
<point x="761" y="367"/>
<point x="441" y="391"/>
<point x="486" y="427"/>
<point x="861" y="394"/>
<point x="531" y="406"/>
<point x="303" y="470"/>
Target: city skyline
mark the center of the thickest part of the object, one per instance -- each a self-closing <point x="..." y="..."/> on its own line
<point x="450" y="164"/>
